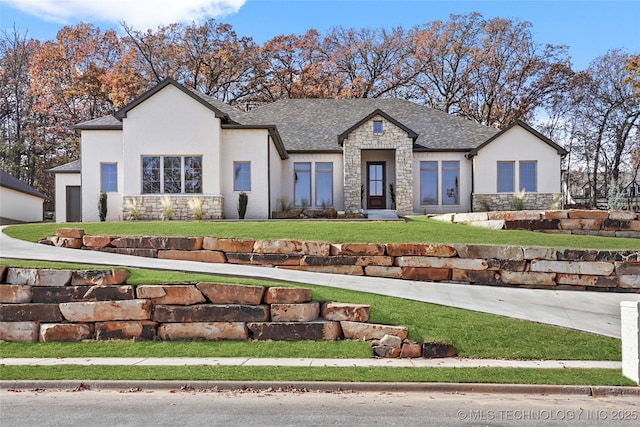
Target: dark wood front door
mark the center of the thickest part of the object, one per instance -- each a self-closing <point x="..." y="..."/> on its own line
<point x="376" y="185"/>
<point x="74" y="204"/>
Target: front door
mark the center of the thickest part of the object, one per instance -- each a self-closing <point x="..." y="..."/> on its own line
<point x="376" y="185"/>
<point x="74" y="204"/>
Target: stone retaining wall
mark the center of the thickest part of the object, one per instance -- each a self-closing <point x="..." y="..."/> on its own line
<point x="531" y="267"/>
<point x="64" y="305"/>
<point x="573" y="221"/>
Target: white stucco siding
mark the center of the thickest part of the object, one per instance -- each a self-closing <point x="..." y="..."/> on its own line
<point x="20" y="207"/>
<point x="464" y="197"/>
<point x="276" y="177"/>
<point x="64" y="180"/>
<point x="100" y="146"/>
<point x="287" y="181"/>
<point x="171" y="123"/>
<point x="517" y="145"/>
<point x="246" y="145"/>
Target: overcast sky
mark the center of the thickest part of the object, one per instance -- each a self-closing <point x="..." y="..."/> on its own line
<point x="589" y="28"/>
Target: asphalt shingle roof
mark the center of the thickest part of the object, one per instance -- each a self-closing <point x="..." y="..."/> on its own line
<point x="314" y="124"/>
<point x="9" y="181"/>
<point x="71" y="167"/>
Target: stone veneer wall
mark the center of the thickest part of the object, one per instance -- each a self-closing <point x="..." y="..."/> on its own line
<point x="392" y="138"/>
<point x="150" y="206"/>
<point x="507" y="202"/>
<point x="535" y="267"/>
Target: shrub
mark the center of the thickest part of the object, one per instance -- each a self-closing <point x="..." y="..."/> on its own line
<point x="167" y="207"/>
<point x="284" y="204"/>
<point x="243" y="200"/>
<point x="195" y="205"/>
<point x="134" y="209"/>
<point x="102" y="206"/>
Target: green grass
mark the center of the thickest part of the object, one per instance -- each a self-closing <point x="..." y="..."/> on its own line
<point x="474" y="334"/>
<point x="414" y="230"/>
<point x="608" y="377"/>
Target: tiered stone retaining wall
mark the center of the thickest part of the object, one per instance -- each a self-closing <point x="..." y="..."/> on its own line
<point x="573" y="221"/>
<point x="65" y="305"/>
<point x="531" y="267"/>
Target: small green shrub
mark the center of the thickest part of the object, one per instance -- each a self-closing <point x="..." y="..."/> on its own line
<point x="102" y="206"/>
<point x="243" y="200"/>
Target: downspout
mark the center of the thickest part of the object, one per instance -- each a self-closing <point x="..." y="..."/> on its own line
<point x="268" y="176"/>
<point x="473" y="182"/>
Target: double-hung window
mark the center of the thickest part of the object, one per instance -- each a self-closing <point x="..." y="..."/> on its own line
<point x="109" y="177"/>
<point x="171" y="174"/>
<point x="506" y="176"/>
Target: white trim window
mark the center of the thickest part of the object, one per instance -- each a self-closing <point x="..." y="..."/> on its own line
<point x="451" y="183"/>
<point x="171" y="174"/>
<point x="302" y="184"/>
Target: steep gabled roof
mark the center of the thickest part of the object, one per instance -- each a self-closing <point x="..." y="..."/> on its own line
<point x="315" y="124"/>
<point x="9" y="181"/>
<point x="122" y="113"/>
<point x="377" y="112"/>
<point x="561" y="151"/>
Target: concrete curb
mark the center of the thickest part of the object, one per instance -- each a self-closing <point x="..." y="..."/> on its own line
<point x="319" y="386"/>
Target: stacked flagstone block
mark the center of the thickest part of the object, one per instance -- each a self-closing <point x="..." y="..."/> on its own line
<point x="64" y="305"/>
<point x="533" y="267"/>
<point x="572" y="221"/>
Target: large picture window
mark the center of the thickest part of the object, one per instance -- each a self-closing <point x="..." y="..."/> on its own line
<point x="109" y="177"/>
<point x="506" y="177"/>
<point x="324" y="184"/>
<point x="528" y="176"/>
<point x="241" y="176"/>
<point x="428" y="183"/>
<point x="450" y="183"/>
<point x="171" y="174"/>
<point x="302" y="184"/>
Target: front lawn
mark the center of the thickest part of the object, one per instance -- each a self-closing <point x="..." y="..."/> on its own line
<point x="414" y="230"/>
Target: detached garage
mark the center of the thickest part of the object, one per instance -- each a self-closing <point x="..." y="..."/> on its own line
<point x="19" y="202"/>
<point x="68" y="195"/>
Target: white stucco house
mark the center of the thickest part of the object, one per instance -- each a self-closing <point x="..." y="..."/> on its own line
<point x="19" y="202"/>
<point x="347" y="154"/>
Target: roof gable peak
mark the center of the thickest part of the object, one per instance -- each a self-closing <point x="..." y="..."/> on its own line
<point x="377" y="112"/>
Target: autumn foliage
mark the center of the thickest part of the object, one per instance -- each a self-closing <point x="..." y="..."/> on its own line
<point x="488" y="70"/>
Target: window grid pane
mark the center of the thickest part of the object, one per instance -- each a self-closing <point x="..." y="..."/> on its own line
<point x="506" y="177"/>
<point x="172" y="175"/>
<point x="302" y="184"/>
<point x="193" y="174"/>
<point x="109" y="177"/>
<point x="450" y="183"/>
<point x="528" y="177"/>
<point x="428" y="183"/>
<point x="324" y="184"/>
<point x="241" y="176"/>
<point x="151" y="174"/>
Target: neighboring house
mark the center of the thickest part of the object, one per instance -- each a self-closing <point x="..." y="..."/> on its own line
<point x="315" y="153"/>
<point x="19" y="202"/>
<point x="68" y="192"/>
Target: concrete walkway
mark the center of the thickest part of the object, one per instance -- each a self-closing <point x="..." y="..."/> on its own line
<point x="595" y="312"/>
<point x="452" y="362"/>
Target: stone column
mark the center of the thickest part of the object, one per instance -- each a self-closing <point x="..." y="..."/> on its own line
<point x="404" y="176"/>
<point x="352" y="177"/>
<point x="630" y="321"/>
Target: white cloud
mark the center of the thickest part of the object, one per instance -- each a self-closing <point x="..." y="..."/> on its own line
<point x="140" y="14"/>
